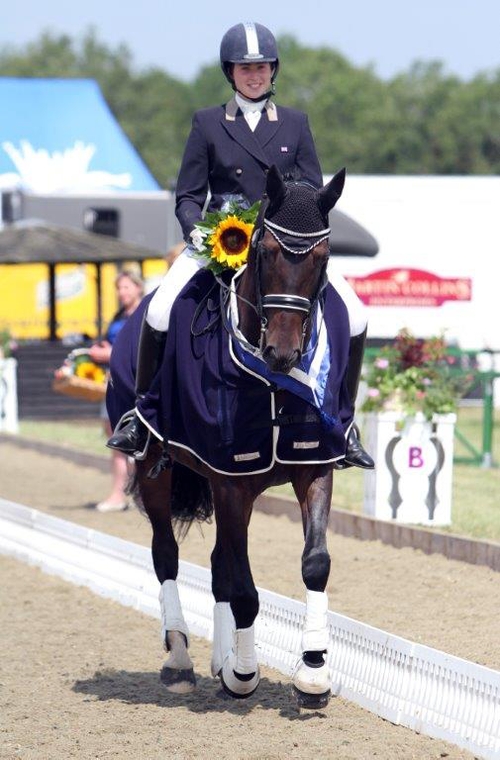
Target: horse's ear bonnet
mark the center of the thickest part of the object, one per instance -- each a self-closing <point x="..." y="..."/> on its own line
<point x="302" y="222"/>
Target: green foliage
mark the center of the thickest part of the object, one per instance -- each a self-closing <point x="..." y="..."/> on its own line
<point x="421" y="121"/>
<point x="413" y="375"/>
<point x="7" y="343"/>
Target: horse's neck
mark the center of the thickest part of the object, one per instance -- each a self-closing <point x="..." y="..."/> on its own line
<point x="246" y="290"/>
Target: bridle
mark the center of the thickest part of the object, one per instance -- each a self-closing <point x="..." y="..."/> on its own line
<point x="305" y="241"/>
<point x="286" y="301"/>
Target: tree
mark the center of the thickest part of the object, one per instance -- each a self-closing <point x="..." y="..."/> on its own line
<point x="422" y="121"/>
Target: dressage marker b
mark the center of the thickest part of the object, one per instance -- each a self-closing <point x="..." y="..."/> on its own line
<point x="412" y="479"/>
<point x="8" y="396"/>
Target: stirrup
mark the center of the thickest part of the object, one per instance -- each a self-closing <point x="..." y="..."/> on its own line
<point x="124" y="420"/>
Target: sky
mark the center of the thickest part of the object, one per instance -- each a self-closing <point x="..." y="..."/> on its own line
<point x="181" y="37"/>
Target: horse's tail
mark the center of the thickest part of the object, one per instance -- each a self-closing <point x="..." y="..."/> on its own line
<point x="191" y="499"/>
<point x="190" y="493"/>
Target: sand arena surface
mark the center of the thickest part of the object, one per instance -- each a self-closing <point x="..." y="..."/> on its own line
<point x="80" y="673"/>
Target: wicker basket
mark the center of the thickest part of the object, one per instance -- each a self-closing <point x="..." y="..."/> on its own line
<point x="79" y="387"/>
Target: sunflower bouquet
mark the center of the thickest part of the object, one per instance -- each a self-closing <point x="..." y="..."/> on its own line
<point x="81" y="377"/>
<point x="223" y="237"/>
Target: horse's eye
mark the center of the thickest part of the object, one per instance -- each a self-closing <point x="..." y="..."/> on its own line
<point x="262" y="250"/>
<point x="321" y="256"/>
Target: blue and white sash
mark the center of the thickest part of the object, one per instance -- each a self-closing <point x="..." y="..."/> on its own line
<point x="309" y="380"/>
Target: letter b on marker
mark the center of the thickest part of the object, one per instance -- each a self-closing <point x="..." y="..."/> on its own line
<point x="415" y="458"/>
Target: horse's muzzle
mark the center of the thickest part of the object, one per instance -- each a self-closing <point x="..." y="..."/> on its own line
<point x="281" y="362"/>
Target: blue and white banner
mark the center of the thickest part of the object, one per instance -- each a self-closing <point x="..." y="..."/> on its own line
<point x="59" y="135"/>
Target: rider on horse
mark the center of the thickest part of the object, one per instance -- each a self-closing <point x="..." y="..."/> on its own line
<point x="229" y="152"/>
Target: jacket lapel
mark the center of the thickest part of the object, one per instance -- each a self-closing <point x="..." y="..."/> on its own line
<point x="235" y="125"/>
<point x="268" y="125"/>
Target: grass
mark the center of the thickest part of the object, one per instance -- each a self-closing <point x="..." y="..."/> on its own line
<point x="476" y="490"/>
<point x="83" y="435"/>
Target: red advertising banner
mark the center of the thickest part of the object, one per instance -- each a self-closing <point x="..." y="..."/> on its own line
<point x="410" y="287"/>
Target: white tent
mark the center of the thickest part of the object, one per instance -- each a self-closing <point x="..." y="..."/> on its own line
<point x="439" y="248"/>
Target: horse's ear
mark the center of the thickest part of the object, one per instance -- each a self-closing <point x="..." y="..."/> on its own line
<point x="275" y="189"/>
<point x="330" y="193"/>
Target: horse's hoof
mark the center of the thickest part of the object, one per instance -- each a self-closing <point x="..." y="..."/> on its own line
<point x="311" y="701"/>
<point x="178" y="681"/>
<point x="312" y="684"/>
<point x="238" y="685"/>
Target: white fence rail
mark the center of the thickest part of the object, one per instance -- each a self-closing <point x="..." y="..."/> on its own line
<point x="409" y="684"/>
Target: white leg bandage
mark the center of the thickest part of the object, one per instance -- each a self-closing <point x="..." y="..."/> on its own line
<point x="224" y="628"/>
<point x="242" y="660"/>
<point x="315" y="633"/>
<point x="358" y="318"/>
<point x="244" y="650"/>
<point x="172" y="618"/>
<point x="179" y="274"/>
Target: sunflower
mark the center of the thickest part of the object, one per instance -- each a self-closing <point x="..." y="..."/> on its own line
<point x="230" y="242"/>
<point x="223" y="238"/>
<point x="90" y="371"/>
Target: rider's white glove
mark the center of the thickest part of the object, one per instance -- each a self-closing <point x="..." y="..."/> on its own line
<point x="197" y="239"/>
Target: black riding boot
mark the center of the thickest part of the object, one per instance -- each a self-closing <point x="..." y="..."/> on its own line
<point x="131" y="436"/>
<point x="355" y="456"/>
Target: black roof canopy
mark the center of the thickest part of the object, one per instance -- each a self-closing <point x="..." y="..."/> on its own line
<point x="34" y="241"/>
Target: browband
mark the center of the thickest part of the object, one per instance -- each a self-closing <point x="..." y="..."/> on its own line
<point x="271" y="226"/>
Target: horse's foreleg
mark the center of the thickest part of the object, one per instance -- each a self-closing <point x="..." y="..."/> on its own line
<point x="224" y="625"/>
<point x="177" y="673"/>
<point x="234" y="658"/>
<point x="311" y="677"/>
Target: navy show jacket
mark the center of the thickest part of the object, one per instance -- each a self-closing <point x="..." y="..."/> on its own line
<point x="224" y="156"/>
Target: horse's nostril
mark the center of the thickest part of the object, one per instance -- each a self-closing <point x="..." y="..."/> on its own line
<point x="280" y="362"/>
<point x="269" y="354"/>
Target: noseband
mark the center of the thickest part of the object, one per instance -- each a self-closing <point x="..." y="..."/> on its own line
<point x="297" y="244"/>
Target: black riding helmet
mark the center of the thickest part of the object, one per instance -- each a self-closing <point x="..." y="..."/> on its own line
<point x="248" y="42"/>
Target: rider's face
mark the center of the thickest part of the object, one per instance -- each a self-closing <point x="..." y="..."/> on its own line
<point x="252" y="80"/>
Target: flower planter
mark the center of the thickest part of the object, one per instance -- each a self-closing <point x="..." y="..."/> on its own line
<point x="412" y="480"/>
<point x="9" y="422"/>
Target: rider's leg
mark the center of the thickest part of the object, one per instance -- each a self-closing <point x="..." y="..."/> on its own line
<point x="356" y="456"/>
<point x="132" y="438"/>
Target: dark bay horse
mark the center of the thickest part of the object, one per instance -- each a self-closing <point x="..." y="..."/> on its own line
<point x="283" y="305"/>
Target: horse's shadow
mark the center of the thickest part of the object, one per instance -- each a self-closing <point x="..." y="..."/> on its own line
<point x="145" y="688"/>
<point x="88" y="505"/>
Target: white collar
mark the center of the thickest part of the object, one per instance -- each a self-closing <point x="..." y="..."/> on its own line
<point x="248" y="106"/>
